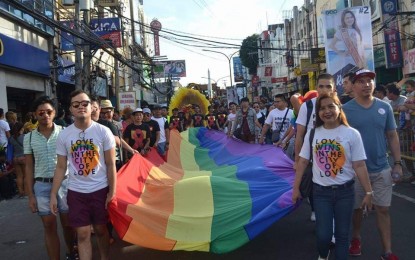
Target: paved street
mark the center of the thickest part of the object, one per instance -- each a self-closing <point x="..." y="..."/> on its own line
<point x="290" y="238"/>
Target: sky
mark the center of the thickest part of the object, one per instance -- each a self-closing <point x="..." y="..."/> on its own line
<point x="228" y="21"/>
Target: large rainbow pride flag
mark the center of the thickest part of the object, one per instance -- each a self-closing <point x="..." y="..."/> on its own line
<point x="214" y="193"/>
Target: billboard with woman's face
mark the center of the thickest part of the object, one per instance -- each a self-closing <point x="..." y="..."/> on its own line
<point x="348" y="38"/>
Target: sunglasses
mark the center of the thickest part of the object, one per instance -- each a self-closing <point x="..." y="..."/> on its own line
<point x="84" y="103"/>
<point x="43" y="112"/>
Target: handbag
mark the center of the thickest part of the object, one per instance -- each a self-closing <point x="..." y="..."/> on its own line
<point x="306" y="185"/>
<point x="276" y="133"/>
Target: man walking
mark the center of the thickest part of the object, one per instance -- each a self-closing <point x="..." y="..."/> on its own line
<point x="163" y="142"/>
<point x="374" y="119"/>
<point x="90" y="150"/>
<point x="40" y="155"/>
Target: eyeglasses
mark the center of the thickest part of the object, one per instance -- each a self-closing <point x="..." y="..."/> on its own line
<point x="146" y="114"/>
<point x="106" y="112"/>
<point x="84" y="103"/>
<point x="43" y="112"/>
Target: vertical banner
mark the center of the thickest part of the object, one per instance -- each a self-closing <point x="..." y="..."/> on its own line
<point x="156" y="28"/>
<point x="348" y="38"/>
<point x="391" y="34"/>
<point x="238" y="75"/>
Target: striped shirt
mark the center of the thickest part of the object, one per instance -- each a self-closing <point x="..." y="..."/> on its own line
<point x="43" y="151"/>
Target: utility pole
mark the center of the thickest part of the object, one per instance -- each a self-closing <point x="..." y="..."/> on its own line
<point x="78" y="53"/>
<point x="87" y="55"/>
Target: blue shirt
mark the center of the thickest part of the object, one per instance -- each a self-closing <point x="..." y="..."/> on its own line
<point x="372" y="123"/>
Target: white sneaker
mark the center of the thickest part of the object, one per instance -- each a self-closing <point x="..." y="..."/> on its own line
<point x="321" y="258"/>
<point x="313" y="216"/>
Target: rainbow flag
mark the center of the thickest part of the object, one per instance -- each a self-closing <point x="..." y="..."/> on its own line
<point x="214" y="193"/>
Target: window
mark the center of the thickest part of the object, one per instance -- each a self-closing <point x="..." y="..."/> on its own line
<point x="43" y="6"/>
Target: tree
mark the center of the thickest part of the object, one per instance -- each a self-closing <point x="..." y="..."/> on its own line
<point x="249" y="53"/>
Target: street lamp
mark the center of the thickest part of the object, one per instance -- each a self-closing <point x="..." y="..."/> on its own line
<point x="229" y="61"/>
<point x="216" y="82"/>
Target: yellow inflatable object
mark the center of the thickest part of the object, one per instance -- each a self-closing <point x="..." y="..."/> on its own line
<point x="184" y="97"/>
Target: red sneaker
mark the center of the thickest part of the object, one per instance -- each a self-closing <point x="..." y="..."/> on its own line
<point x="389" y="256"/>
<point x="355" y="248"/>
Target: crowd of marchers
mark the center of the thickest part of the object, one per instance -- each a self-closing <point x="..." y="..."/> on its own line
<point x="66" y="165"/>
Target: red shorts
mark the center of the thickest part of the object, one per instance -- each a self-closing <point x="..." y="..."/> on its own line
<point x="87" y="208"/>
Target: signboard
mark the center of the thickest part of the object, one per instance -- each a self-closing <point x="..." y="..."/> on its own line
<point x="66" y="71"/>
<point x="391" y="34"/>
<point x="105" y="28"/>
<point x="307" y="66"/>
<point x="318" y="55"/>
<point x="19" y="55"/>
<point x="108" y="2"/>
<point x="279" y="80"/>
<point x="409" y="62"/>
<point x="379" y="56"/>
<point x="348" y="41"/>
<point x="126" y="99"/>
<point x="108" y="29"/>
<point x="175" y="68"/>
<point x="232" y="95"/>
<point x="99" y="87"/>
<point x="238" y="75"/>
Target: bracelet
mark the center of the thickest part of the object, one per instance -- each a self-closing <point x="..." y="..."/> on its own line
<point x="369" y="193"/>
<point x="397" y="162"/>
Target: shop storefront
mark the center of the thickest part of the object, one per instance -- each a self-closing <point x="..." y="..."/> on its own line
<point x="24" y="72"/>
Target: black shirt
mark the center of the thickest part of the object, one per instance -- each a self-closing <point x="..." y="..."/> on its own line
<point x="154" y="128"/>
<point x="137" y="136"/>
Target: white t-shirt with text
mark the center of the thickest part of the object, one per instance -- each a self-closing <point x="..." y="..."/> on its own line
<point x="275" y="117"/>
<point x="334" y="150"/>
<point x="85" y="153"/>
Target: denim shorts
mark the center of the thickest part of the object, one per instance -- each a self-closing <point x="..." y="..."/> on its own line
<point x="42" y="194"/>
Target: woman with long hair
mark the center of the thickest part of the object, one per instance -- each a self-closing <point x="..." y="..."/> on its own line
<point x="337" y="155"/>
<point x="347" y="41"/>
<point x="16" y="139"/>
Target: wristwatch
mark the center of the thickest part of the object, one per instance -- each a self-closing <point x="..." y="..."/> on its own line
<point x="369" y="193"/>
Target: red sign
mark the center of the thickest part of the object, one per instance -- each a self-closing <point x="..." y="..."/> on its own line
<point x="268" y="72"/>
<point x="155" y="28"/>
<point x="279" y="80"/>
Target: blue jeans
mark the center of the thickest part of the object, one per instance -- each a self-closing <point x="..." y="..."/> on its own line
<point x="161" y="148"/>
<point x="333" y="203"/>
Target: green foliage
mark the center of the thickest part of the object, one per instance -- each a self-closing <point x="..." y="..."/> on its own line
<point x="249" y="53"/>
